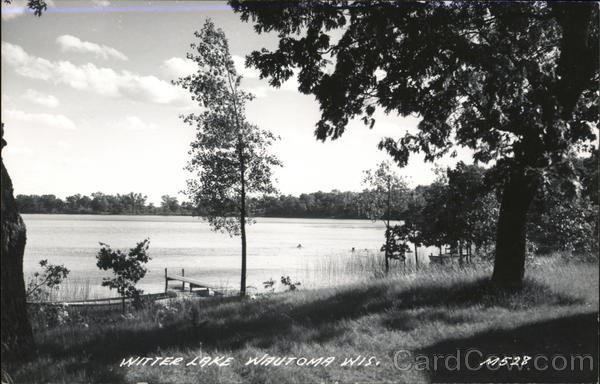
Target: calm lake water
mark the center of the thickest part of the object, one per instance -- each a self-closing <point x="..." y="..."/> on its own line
<point x="186" y="242"/>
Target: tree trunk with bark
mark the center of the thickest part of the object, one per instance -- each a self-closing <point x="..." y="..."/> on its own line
<point x="243" y="218"/>
<point x="388" y="228"/>
<point x="243" y="236"/>
<point x="416" y="258"/>
<point x="511" y="235"/>
<point x="17" y="337"/>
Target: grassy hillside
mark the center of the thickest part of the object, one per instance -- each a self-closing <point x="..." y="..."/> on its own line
<point x="432" y="313"/>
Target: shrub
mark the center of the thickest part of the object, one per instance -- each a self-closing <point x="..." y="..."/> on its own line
<point x="128" y="268"/>
<point x="40" y="284"/>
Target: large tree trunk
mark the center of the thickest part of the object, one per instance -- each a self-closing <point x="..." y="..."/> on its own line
<point x="17" y="337"/>
<point x="509" y="264"/>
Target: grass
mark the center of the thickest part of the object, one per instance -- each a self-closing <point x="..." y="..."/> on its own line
<point x="434" y="311"/>
<point x="73" y="289"/>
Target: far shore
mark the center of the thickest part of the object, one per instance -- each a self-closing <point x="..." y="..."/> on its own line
<point x="185" y="215"/>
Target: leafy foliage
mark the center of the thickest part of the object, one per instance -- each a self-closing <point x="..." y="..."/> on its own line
<point x="37" y="6"/>
<point x="516" y="84"/>
<point x="506" y="81"/>
<point x="127" y="267"/>
<point x="564" y="216"/>
<point x="50" y="278"/>
<point x="287" y="281"/>
<point x="384" y="194"/>
<point x="100" y="203"/>
<point x="396" y="245"/>
<point x="229" y="155"/>
<point x="458" y="207"/>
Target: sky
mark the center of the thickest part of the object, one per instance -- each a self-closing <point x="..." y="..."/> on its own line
<point x="88" y="104"/>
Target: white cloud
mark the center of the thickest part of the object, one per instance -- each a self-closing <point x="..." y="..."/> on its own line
<point x="17" y="151"/>
<point x="100" y="80"/>
<point x="292" y="83"/>
<point x="240" y="66"/>
<point x="101" y="3"/>
<point x="14" y="9"/>
<point x="24" y="64"/>
<point x="134" y="123"/>
<point x="39" y="98"/>
<point x="74" y="44"/>
<point x="46" y="119"/>
<point x="179" y="67"/>
<point x="258" y="92"/>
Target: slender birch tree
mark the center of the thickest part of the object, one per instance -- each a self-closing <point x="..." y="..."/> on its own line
<point x="229" y="156"/>
<point x="382" y="199"/>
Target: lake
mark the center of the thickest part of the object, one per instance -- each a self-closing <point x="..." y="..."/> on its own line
<point x="185" y="242"/>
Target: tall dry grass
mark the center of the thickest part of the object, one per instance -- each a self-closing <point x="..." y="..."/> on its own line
<point x="419" y="310"/>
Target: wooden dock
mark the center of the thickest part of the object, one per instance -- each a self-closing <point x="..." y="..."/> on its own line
<point x="202" y="288"/>
<point x="192" y="283"/>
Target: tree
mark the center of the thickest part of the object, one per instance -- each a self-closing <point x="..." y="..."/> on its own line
<point x="100" y="202"/>
<point x="413" y="219"/>
<point x="37" y="6"/>
<point x="128" y="268"/>
<point x="134" y="202"/>
<point x="17" y="337"/>
<point x="517" y="84"/>
<point x="15" y="329"/>
<point x="384" y="194"/>
<point x="229" y="155"/>
<point x="471" y="207"/>
<point x="435" y="220"/>
<point x="169" y="204"/>
<point x="564" y="217"/>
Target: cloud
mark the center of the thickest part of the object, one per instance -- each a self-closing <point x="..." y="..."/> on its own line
<point x="100" y="80"/>
<point x="179" y="67"/>
<point x="101" y="3"/>
<point x="69" y="43"/>
<point x="39" y="98"/>
<point x="258" y="92"/>
<point x="24" y="64"/>
<point x="14" y="9"/>
<point x="240" y="66"/>
<point x="46" y="119"/>
<point x="292" y="83"/>
<point x="17" y="151"/>
<point x="134" y="123"/>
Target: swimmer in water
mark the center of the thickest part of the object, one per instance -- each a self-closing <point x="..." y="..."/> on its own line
<point x="299" y="246"/>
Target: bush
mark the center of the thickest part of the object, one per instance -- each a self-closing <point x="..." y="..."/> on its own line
<point x="128" y="268"/>
<point x="40" y="285"/>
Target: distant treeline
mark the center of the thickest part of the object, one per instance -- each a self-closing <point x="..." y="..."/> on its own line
<point x="100" y="203"/>
<point x="461" y="206"/>
<point x="334" y="204"/>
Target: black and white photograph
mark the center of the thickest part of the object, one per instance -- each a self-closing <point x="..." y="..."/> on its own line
<point x="307" y="191"/>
